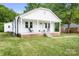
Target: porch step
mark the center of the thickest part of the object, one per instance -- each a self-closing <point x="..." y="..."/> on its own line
<point x="48" y="35"/>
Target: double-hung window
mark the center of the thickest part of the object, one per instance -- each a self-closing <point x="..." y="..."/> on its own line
<point x="28" y="24"/>
<point x="47" y="25"/>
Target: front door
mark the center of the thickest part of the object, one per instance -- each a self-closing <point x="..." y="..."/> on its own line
<point x="47" y="27"/>
<point x="41" y="27"/>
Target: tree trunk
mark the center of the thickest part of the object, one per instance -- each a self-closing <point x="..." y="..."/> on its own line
<point x="68" y="29"/>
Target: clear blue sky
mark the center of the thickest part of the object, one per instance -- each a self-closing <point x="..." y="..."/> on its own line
<point x="17" y="7"/>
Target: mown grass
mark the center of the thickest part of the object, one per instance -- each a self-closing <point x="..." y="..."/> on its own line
<point x="64" y="45"/>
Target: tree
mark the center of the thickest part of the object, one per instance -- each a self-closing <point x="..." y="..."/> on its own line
<point x="6" y="14"/>
<point x="70" y="14"/>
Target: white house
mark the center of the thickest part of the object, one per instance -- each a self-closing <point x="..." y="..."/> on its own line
<point x="37" y="21"/>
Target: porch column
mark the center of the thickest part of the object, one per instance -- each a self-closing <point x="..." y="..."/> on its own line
<point x="37" y="25"/>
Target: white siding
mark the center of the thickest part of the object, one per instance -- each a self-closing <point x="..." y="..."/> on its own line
<point x="8" y="27"/>
<point x="41" y="14"/>
<point x="24" y="30"/>
<point x="52" y="27"/>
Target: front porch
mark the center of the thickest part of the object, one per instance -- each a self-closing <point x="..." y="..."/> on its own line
<point x="34" y="27"/>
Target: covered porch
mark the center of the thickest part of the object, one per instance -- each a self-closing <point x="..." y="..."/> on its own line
<point x="34" y="26"/>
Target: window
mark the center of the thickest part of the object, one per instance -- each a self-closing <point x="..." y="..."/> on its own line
<point x="48" y="25"/>
<point x="9" y="26"/>
<point x="31" y="25"/>
<point x="45" y="25"/>
<point x="26" y="24"/>
<point x="56" y="27"/>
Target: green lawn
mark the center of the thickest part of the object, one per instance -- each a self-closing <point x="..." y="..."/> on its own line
<point x="66" y="44"/>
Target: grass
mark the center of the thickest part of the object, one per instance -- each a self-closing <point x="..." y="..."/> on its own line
<point x="64" y="45"/>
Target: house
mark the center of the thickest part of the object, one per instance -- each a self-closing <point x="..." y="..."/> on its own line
<point x="74" y="28"/>
<point x="35" y="22"/>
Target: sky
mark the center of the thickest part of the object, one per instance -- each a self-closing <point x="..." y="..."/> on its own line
<point x="17" y="7"/>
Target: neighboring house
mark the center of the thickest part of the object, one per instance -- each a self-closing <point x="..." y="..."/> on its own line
<point x="37" y="21"/>
<point x="73" y="28"/>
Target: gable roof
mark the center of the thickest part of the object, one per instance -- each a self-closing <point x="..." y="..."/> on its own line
<point x="36" y="15"/>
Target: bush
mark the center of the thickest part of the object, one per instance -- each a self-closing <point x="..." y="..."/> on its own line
<point x="1" y="27"/>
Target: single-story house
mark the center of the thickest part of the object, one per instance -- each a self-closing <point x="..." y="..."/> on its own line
<point x="35" y="22"/>
<point x="74" y="28"/>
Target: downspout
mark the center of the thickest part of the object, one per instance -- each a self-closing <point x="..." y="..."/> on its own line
<point x="17" y="24"/>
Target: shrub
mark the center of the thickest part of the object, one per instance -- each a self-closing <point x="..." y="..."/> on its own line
<point x="1" y="27"/>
